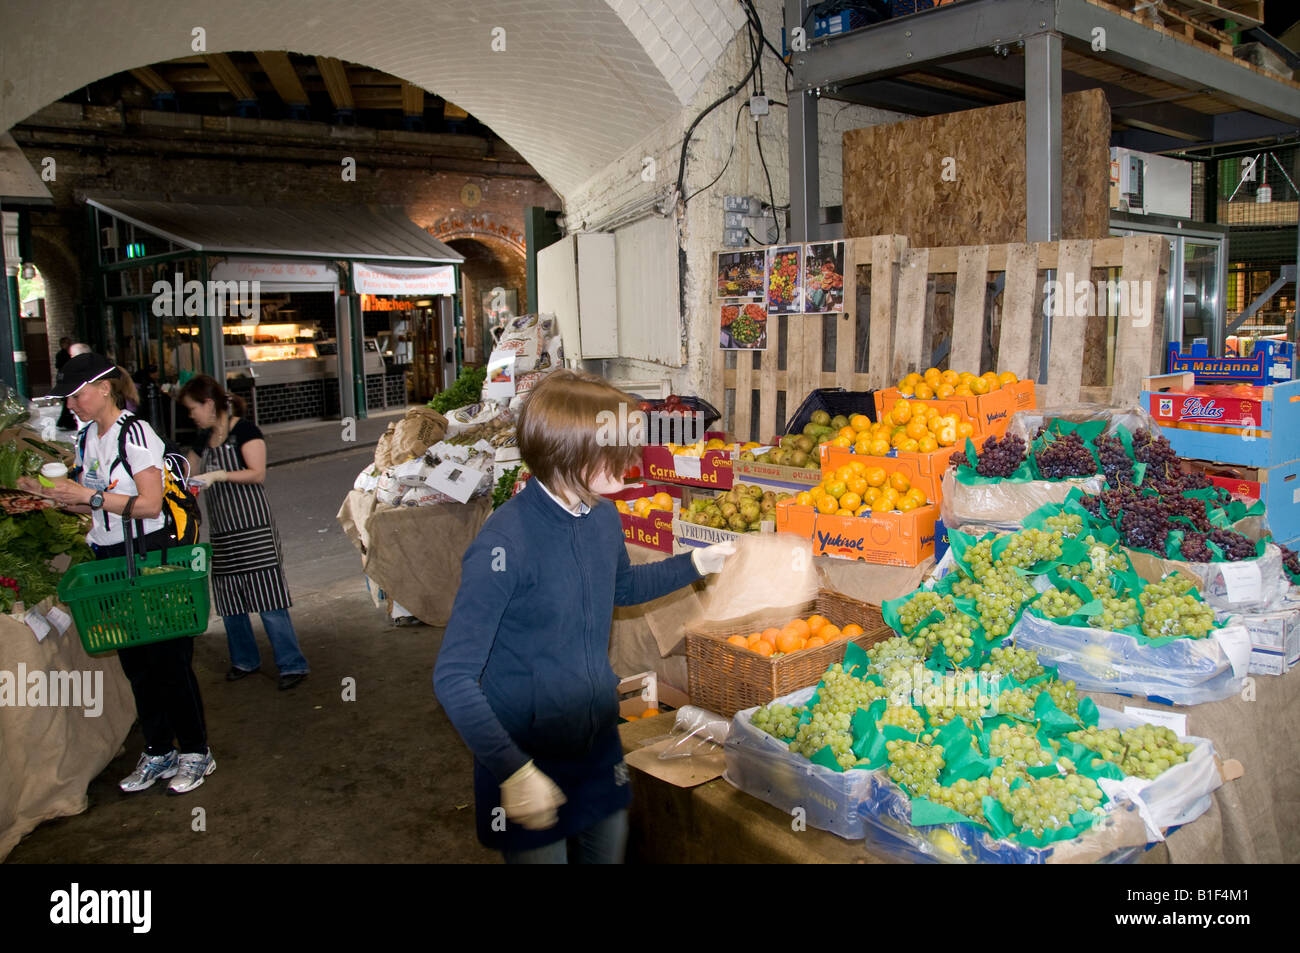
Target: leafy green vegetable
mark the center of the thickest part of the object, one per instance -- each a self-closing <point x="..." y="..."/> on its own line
<point x="465" y="390"/>
<point x="504" y="488"/>
<point x="27" y="543"/>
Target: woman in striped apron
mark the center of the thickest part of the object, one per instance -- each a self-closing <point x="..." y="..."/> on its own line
<point x="247" y="576"/>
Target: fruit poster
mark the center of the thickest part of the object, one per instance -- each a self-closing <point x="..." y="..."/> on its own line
<point x="823" y="282"/>
<point x="743" y="326"/>
<point x="784" y="280"/>
<point x="740" y="274"/>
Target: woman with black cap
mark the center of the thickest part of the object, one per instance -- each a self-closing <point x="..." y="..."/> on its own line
<point x="111" y="489"/>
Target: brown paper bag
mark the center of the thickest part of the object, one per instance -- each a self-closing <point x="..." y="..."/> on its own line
<point x="420" y="429"/>
<point x="384" y="448"/>
<point x="771" y="576"/>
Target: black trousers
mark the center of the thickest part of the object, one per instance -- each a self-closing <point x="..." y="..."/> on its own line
<point x="161" y="674"/>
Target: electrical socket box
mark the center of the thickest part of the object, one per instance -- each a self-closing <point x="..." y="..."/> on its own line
<point x="759" y="106"/>
<point x="733" y="219"/>
<point x="736" y="203"/>
<point x="734" y="237"/>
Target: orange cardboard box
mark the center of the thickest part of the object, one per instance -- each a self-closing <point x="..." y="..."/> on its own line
<point x="991" y="412"/>
<point x="889" y="539"/>
<point x="655" y="529"/>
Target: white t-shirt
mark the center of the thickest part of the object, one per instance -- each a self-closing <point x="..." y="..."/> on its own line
<point x="144" y="449"/>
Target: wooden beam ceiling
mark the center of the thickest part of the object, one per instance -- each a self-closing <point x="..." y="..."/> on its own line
<point x="152" y="80"/>
<point x="412" y="100"/>
<point x="231" y="76"/>
<point x="336" y="82"/>
<point x="279" y="70"/>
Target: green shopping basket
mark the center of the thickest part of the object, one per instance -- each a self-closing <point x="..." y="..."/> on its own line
<point x="134" y="600"/>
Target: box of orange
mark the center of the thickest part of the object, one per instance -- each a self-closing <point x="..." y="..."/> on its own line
<point x="924" y="470"/>
<point x="991" y="412"/>
<point x="886" y="537"/>
<point x="652" y="527"/>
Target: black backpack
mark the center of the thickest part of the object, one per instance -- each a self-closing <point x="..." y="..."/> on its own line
<point x="180" y="508"/>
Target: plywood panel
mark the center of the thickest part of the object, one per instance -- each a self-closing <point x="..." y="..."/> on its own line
<point x="1065" y="357"/>
<point x="968" y="309"/>
<point x="909" y="330"/>
<point x="1143" y="257"/>
<point x="1019" y="298"/>
<point x="649" y="313"/>
<point x="893" y="175"/>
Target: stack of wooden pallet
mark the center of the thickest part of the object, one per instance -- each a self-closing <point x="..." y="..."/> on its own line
<point x="1205" y="21"/>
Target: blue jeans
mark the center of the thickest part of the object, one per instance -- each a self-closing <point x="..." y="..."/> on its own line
<point x="603" y="843"/>
<point x="289" y="659"/>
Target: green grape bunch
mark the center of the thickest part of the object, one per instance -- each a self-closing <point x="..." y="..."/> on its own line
<point x="1116" y="613"/>
<point x="1015" y="701"/>
<point x="1063" y="694"/>
<point x="1058" y="603"/>
<point x="1019" y="746"/>
<point x="1178" y="616"/>
<point x="1144" y="751"/>
<point x="1043" y="804"/>
<point x="1020" y="664"/>
<point x="914" y="764"/>
<point x="965" y="797"/>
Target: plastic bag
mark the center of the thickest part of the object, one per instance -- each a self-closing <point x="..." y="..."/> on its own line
<point x="1176" y="796"/>
<point x="887" y="829"/>
<point x="1248" y="585"/>
<point x="763" y="767"/>
<point x="1179" y="671"/>
<point x="1004" y="506"/>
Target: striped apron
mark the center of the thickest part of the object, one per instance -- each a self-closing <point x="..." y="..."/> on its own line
<point x="246" y="561"/>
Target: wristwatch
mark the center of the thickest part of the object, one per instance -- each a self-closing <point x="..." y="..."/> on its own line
<point x="97" y="499"/>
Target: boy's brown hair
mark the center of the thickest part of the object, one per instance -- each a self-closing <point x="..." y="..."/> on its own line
<point x="558" y="432"/>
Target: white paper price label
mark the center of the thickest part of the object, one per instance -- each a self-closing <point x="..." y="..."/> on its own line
<point x="688" y="467"/>
<point x="59" y="619"/>
<point x="1175" y="722"/>
<point x="1242" y="580"/>
<point x="36" y="622"/>
<point x="1235" y="642"/>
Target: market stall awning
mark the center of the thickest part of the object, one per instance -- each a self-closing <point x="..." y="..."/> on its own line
<point x="19" y="182"/>
<point x="366" y="232"/>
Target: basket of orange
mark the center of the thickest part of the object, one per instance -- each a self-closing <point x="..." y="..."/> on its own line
<point x="740" y="663"/>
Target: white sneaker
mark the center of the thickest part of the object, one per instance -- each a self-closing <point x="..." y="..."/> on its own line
<point x="191" y="771"/>
<point x="148" y="770"/>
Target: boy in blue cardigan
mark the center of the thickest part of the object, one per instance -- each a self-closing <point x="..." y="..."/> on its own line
<point x="523" y="672"/>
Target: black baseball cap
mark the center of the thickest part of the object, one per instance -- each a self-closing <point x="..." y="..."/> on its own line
<point x="82" y="370"/>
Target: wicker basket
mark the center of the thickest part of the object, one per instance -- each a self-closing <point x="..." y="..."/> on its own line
<point x="725" y="678"/>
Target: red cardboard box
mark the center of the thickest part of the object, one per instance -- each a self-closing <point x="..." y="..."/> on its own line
<point x="712" y="470"/>
<point x="655" y="529"/>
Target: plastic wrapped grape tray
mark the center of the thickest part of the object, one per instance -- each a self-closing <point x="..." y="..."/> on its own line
<point x="765" y="768"/>
<point x="1178" y="672"/>
<point x="1143" y="810"/>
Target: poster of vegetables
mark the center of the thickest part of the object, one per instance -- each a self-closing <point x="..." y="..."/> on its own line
<point x="740" y="274"/>
<point x="743" y="326"/>
<point x="785" y="279"/>
<point x="823" y="282"/>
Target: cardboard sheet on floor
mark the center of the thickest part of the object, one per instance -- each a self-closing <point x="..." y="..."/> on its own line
<point x="413" y="552"/>
<point x="49" y="754"/>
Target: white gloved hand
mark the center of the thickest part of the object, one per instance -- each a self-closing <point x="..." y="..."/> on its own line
<point x="213" y="476"/>
<point x="531" y="799"/>
<point x="710" y="558"/>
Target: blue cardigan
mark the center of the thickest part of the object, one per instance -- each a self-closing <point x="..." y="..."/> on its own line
<point x="524" y="673"/>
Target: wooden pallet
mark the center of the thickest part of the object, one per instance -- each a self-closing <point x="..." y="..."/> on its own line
<point x="1244" y="13"/>
<point x="903" y="319"/>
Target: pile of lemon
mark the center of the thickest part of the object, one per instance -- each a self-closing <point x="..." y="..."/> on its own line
<point x="942" y="385"/>
<point x="698" y="448"/>
<point x="857" y="489"/>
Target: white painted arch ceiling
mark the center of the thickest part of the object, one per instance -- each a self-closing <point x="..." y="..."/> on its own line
<point x="578" y="83"/>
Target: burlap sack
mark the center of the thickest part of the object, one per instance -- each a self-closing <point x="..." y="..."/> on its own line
<point x="384" y="448"/>
<point x="415" y="433"/>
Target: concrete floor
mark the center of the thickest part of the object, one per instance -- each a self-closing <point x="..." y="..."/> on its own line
<point x="302" y="776"/>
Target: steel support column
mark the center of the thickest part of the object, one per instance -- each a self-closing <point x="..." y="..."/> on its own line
<point x="805" y="184"/>
<point x="1043" y="157"/>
